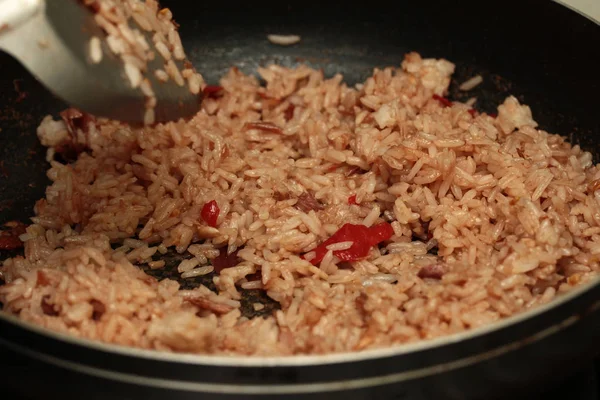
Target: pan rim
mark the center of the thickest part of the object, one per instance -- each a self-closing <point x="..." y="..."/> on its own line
<point x="312" y="360"/>
<point x="295" y="388"/>
<point x="304" y="360"/>
<point x="578" y="11"/>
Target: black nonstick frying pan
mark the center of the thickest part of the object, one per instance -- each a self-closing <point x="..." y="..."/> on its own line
<point x="540" y="51"/>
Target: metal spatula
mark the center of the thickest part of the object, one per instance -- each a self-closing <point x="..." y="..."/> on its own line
<point x="51" y="38"/>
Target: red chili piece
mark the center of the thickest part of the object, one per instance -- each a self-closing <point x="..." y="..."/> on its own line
<point x="352" y="200"/>
<point x="265" y="96"/>
<point x="307" y="202"/>
<point x="10" y="242"/>
<point x="289" y="112"/>
<point x="433" y="271"/>
<point x="473" y="112"/>
<point x="212" y="90"/>
<point x="210" y="213"/>
<point x="445" y="102"/>
<point x="494" y="115"/>
<point x="224" y="260"/>
<point x="363" y="239"/>
<point x="76" y="119"/>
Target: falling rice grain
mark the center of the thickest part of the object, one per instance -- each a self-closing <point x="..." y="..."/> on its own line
<point x="470" y="84"/>
<point x="471" y="102"/>
<point x="95" y="50"/>
<point x="133" y="74"/>
<point x="149" y="116"/>
<point x="284" y="40"/>
<point x="161" y="75"/>
<point x="174" y="73"/>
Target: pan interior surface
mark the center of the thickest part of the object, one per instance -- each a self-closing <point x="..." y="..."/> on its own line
<point x="543" y="64"/>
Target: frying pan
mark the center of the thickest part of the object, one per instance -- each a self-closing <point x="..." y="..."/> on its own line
<point x="539" y="51"/>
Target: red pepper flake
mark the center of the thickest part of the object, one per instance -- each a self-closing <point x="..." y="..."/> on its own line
<point x="224" y="260"/>
<point x="93" y="5"/>
<point x="268" y="101"/>
<point x="9" y="239"/>
<point x="473" y="112"/>
<point x="363" y="239"/>
<point x="205" y="304"/>
<point x="47" y="308"/>
<point x="42" y="279"/>
<point x="445" y="102"/>
<point x="98" y="309"/>
<point x="493" y="115"/>
<point x="333" y="168"/>
<point x="263" y="126"/>
<point x="354" y="170"/>
<point x="593" y="186"/>
<point x="352" y="200"/>
<point x="281" y="196"/>
<point x="10" y="242"/>
<point x="289" y="112"/>
<point x="21" y="94"/>
<point x="76" y="119"/>
<point x="210" y="213"/>
<point x="307" y="202"/>
<point x="264" y="95"/>
<point x="224" y="151"/>
<point x="213" y="91"/>
<point x="433" y="271"/>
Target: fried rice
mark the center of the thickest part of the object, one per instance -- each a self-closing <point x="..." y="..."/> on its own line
<point x="489" y="215"/>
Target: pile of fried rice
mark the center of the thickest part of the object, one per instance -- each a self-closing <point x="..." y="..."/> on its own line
<point x="374" y="215"/>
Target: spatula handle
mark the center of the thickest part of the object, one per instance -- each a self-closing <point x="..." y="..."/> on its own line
<point x="15" y="12"/>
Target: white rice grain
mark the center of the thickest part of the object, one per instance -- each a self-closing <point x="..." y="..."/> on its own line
<point x="133" y="74"/>
<point x="284" y="40"/>
<point x="95" y="50"/>
<point x="471" y="83"/>
<point x="149" y="116"/>
<point x="161" y="75"/>
<point x="187" y="265"/>
<point x="198" y="272"/>
<point x="471" y="101"/>
<point x="340" y="246"/>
